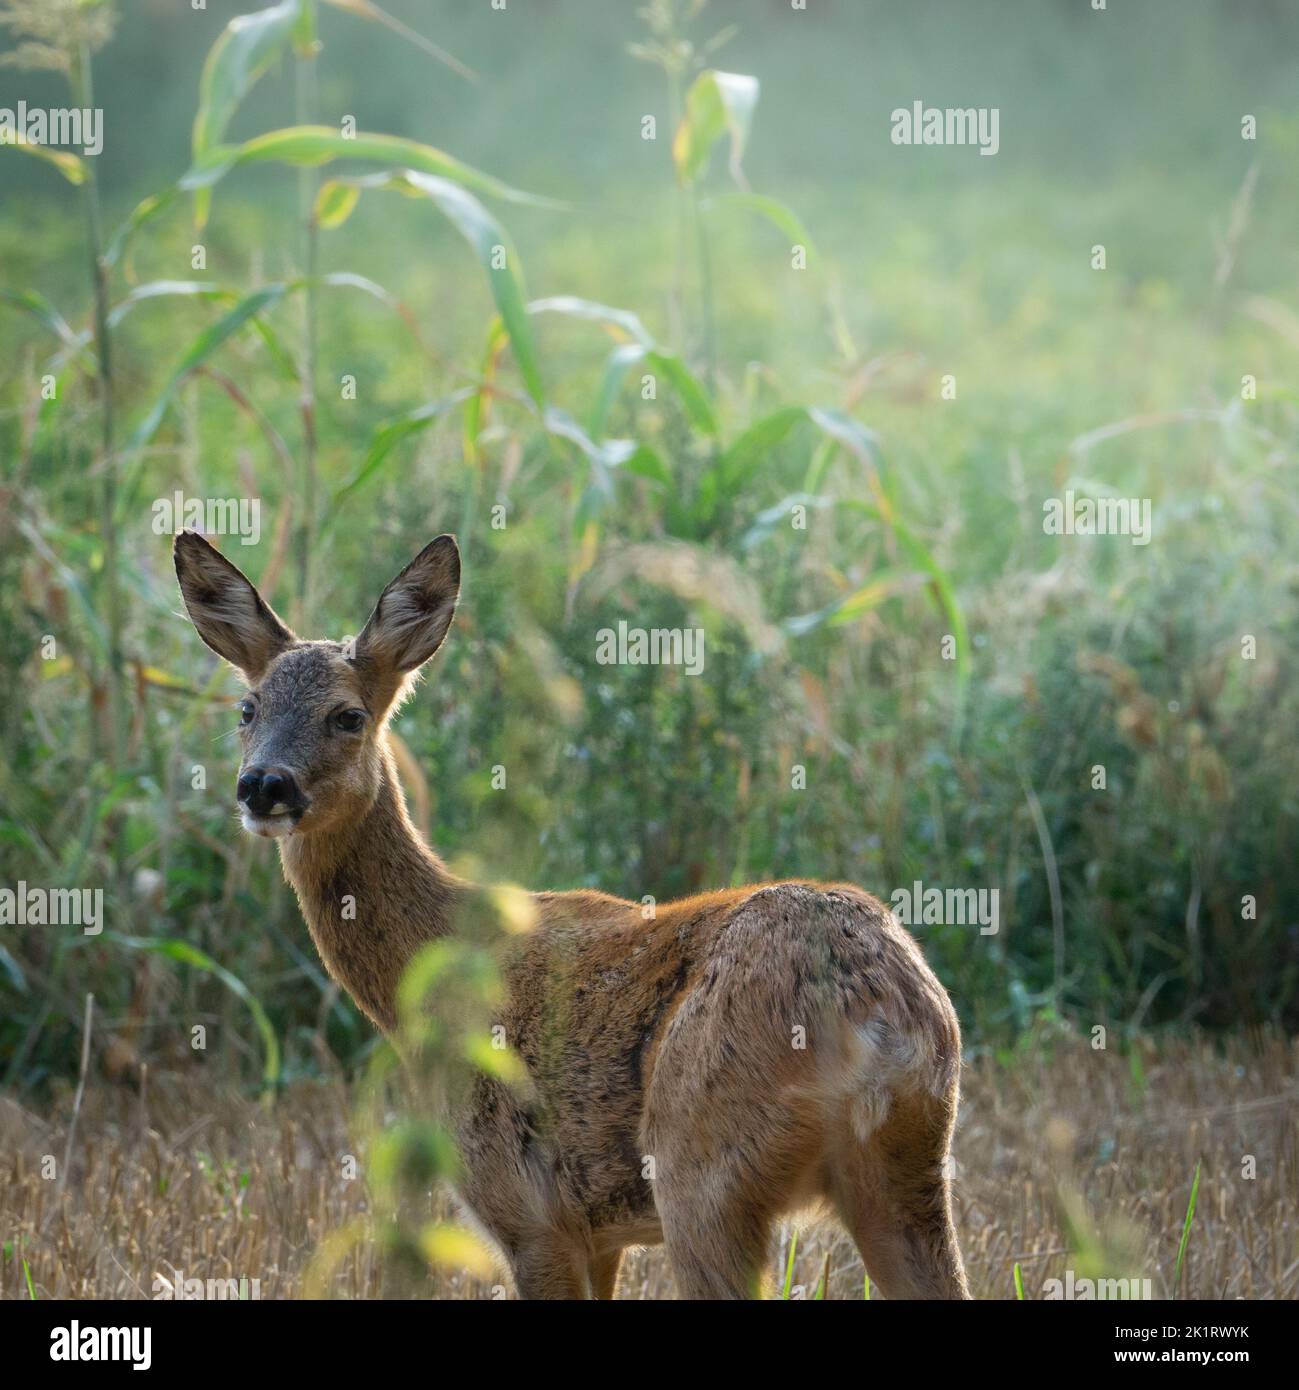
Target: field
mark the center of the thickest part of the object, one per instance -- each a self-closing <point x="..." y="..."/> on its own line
<point x="166" y="1184"/>
<point x="767" y="376"/>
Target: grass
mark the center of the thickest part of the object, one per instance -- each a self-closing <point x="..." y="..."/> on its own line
<point x="181" y="1177"/>
<point x="1186" y="1225"/>
<point x="923" y="525"/>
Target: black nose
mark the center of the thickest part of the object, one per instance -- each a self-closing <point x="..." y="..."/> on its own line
<point x="262" y="788"/>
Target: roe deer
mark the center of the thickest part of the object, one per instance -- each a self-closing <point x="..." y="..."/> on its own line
<point x="768" y="1046"/>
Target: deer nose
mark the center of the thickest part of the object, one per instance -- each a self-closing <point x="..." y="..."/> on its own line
<point x="261" y="789"/>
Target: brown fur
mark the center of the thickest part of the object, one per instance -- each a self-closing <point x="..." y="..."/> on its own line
<point x="693" y="1076"/>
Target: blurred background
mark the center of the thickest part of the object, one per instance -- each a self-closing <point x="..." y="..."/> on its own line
<point x="658" y="352"/>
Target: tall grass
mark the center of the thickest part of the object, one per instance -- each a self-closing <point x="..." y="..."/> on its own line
<point x="790" y="481"/>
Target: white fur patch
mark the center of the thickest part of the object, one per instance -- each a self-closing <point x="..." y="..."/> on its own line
<point x="269" y="827"/>
<point x="887" y="1061"/>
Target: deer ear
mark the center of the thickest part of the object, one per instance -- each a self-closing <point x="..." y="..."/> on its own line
<point x="230" y="615"/>
<point x="413" y="615"/>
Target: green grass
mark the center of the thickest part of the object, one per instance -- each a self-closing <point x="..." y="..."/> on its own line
<point x="1186" y="1227"/>
<point x="818" y="389"/>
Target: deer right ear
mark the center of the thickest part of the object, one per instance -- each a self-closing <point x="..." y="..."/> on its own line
<point x="412" y="618"/>
<point x="228" y="612"/>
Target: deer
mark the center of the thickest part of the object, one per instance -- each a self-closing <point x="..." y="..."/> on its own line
<point x="694" y="1076"/>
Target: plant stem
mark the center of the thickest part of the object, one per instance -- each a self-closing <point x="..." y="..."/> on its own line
<point x="676" y="300"/>
<point x="83" y="91"/>
<point x="705" y="291"/>
<point x="309" y="252"/>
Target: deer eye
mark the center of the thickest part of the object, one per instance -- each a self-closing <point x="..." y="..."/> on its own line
<point x="350" y="720"/>
<point x="246" y="712"/>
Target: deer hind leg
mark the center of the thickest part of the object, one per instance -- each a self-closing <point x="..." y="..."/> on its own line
<point x="716" y="1242"/>
<point x="894" y="1196"/>
<point x="728" y="1161"/>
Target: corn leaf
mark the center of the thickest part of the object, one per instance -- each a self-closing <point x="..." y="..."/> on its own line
<point x="71" y="166"/>
<point x="717" y="104"/>
<point x="311" y="146"/>
<point x="248" y="46"/>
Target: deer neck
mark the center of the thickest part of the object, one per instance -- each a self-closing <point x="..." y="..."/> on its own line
<point x="372" y="893"/>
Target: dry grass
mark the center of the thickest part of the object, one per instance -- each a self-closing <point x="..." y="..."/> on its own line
<point x="1062" y="1140"/>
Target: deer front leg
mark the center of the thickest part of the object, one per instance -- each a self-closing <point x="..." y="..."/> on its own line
<point x="604" y="1274"/>
<point x="548" y="1267"/>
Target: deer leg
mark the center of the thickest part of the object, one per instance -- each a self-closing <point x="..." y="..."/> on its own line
<point x="716" y="1248"/>
<point x="547" y="1267"/>
<point x="894" y="1196"/>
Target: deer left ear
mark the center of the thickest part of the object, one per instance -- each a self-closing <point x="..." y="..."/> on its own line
<point x="228" y="612"/>
<point x="414" y="613"/>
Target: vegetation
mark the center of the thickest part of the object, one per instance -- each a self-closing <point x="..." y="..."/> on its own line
<point x="715" y="400"/>
<point x="213" y="1187"/>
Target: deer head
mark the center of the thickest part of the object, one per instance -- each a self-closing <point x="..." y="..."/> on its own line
<point x="312" y="720"/>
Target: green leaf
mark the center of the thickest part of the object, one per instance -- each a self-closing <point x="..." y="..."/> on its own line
<point x="647" y="463"/>
<point x="692" y="395"/>
<point x="717" y="104"/>
<point x="885" y="584"/>
<point x="248" y="46"/>
<point x="772" y="210"/>
<point x="364" y="9"/>
<point x="334" y="203"/>
<point x="616" y="368"/>
<point x="143" y="212"/>
<point x="211" y="338"/>
<point x="388" y="435"/>
<point x="495" y="252"/>
<point x="34" y="303"/>
<point x="207" y="342"/>
<point x="609" y="453"/>
<point x="698" y="406"/>
<point x="940" y="583"/>
<point x="13" y="970"/>
<point x="695" y="400"/>
<point x="185" y="954"/>
<point x="309" y="146"/>
<point x="845" y="430"/>
<point x="1186" y="1227"/>
<point x="789" y="1265"/>
<point x="752" y="447"/>
<point x="573" y="307"/>
<point x="71" y="166"/>
<point x="475" y="409"/>
<point x="767" y="521"/>
<point x="167" y="288"/>
<point x="944" y="593"/>
<point x="72" y="579"/>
